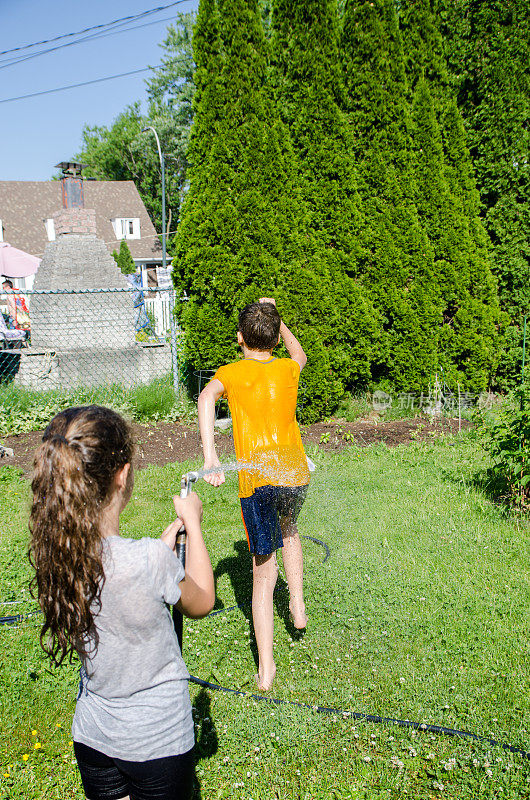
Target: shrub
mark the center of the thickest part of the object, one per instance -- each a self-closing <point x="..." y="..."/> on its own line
<point x="27" y="410"/>
<point x="507" y="440"/>
<point x="124" y="259"/>
<point x="246" y="230"/>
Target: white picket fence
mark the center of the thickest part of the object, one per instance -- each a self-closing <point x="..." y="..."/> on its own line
<point x="160" y="309"/>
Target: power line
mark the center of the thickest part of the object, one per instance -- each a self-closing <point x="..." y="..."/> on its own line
<point x="9" y="62"/>
<point x="131" y="17"/>
<point x="77" y="85"/>
<point x="12" y="60"/>
<point x="87" y="83"/>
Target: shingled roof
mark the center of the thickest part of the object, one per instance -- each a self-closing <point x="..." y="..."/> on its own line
<point x="25" y="205"/>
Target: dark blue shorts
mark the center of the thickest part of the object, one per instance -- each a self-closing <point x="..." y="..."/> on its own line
<point x="262" y="512"/>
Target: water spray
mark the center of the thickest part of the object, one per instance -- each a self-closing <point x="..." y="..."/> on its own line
<point x="186" y="485"/>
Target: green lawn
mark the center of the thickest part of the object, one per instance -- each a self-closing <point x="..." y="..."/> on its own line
<point x="420" y="613"/>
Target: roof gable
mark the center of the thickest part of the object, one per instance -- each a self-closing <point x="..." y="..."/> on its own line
<point x="25" y="205"/>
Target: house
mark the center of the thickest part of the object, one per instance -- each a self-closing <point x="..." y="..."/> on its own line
<point x="26" y="221"/>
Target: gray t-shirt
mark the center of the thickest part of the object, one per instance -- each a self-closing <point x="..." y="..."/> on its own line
<point x="133" y="700"/>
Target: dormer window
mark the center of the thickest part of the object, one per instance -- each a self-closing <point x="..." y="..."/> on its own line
<point x="126" y="227"/>
<point x="49" y="224"/>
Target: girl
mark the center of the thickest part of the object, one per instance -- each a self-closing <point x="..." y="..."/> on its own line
<point x="108" y="598"/>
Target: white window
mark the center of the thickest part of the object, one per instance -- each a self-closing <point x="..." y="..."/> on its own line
<point x="50" y="229"/>
<point x="126" y="227"/>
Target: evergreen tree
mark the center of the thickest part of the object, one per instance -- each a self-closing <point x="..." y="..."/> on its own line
<point x="425" y="58"/>
<point x="487" y="45"/>
<point x="308" y="90"/>
<point x="244" y="230"/>
<point x="419" y="24"/>
<point x="378" y="92"/>
<point x="216" y="231"/>
<point x="124" y="259"/>
<point x="448" y="198"/>
<point x="209" y="94"/>
<point x="398" y="272"/>
<point x="461" y="180"/>
<point x="469" y="341"/>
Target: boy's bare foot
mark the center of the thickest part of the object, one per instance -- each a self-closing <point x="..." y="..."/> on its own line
<point x="265" y="681"/>
<point x="298" y="616"/>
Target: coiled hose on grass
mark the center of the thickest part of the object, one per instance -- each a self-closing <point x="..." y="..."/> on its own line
<point x="357" y="715"/>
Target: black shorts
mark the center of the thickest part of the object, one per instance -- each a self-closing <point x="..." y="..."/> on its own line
<point x="262" y="512"/>
<point x="106" y="778"/>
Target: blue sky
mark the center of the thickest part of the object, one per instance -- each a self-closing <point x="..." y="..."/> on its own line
<point x="38" y="132"/>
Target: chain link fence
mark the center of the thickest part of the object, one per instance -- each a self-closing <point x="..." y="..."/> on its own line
<point x="87" y="343"/>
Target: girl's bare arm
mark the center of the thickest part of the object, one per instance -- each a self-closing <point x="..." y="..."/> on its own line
<point x="197" y="589"/>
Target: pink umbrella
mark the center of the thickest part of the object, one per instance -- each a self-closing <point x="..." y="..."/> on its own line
<point x="15" y="263"/>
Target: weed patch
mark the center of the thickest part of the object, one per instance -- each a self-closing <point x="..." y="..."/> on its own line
<point x="23" y="410"/>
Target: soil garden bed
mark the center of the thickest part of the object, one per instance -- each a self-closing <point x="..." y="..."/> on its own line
<point x="162" y="443"/>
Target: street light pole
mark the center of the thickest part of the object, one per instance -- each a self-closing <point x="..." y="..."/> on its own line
<point x="174" y="356"/>
<point x="163" y="171"/>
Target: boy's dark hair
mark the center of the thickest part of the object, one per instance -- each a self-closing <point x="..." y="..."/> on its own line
<point x="259" y="324"/>
<point x="9" y="283"/>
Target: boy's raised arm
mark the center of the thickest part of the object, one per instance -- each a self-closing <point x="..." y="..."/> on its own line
<point x="206" y="410"/>
<point x="294" y="348"/>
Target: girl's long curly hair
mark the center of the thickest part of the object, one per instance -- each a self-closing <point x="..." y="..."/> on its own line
<point x="82" y="449"/>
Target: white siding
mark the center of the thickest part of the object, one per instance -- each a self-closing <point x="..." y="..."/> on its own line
<point x="49" y="224"/>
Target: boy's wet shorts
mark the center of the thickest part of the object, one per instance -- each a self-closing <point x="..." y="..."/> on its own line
<point x="262" y="512"/>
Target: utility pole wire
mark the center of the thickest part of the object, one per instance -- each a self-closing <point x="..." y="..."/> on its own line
<point x="95" y="27"/>
<point x="84" y="83"/>
<point x="9" y="62"/>
<point x="96" y="80"/>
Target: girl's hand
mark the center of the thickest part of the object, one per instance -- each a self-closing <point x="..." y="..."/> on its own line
<point x="189" y="512"/>
<point x="189" y="509"/>
<point x="170" y="534"/>
<point x="268" y="300"/>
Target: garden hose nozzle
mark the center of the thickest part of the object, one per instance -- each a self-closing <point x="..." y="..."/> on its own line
<point x="186" y="485"/>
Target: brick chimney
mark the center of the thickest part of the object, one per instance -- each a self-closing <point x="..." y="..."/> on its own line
<point x="73" y="218"/>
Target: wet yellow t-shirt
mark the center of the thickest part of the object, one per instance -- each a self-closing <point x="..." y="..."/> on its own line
<point x="262" y="399"/>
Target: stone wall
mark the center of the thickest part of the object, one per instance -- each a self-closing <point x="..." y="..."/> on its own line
<point x="70" y="369"/>
<point x="75" y="221"/>
<point x="82" y="321"/>
<point x="77" y="259"/>
<point x="84" y="338"/>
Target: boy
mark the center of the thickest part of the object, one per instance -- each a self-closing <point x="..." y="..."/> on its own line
<point x="262" y="392"/>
